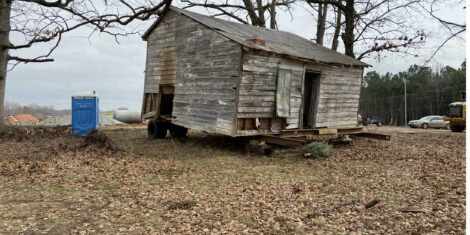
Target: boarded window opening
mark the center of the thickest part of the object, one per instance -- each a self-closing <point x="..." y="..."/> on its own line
<point x="283" y="93"/>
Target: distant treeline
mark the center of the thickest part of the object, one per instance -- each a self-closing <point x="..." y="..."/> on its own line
<point x="13" y="108"/>
<point x="428" y="92"/>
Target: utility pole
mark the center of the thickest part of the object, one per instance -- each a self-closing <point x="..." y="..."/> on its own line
<point x="406" y="111"/>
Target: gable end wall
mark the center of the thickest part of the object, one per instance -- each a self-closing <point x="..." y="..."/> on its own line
<point x="202" y="65"/>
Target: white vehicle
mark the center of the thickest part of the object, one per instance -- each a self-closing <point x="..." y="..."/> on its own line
<point x="430" y="122"/>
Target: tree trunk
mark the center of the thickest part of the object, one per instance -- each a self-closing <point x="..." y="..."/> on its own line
<point x="273" y="14"/>
<point x="321" y="24"/>
<point x="335" y="43"/>
<point x="261" y="18"/>
<point x="252" y="12"/>
<point x="5" y="8"/>
<point x="348" y="35"/>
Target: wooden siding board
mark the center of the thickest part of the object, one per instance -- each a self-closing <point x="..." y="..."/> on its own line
<point x="206" y="78"/>
<point x="337" y="99"/>
<point x="339" y="96"/>
<point x="202" y="65"/>
<point x="257" y="90"/>
<point x="161" y="55"/>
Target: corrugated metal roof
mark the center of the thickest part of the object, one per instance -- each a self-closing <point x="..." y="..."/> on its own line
<point x="276" y="41"/>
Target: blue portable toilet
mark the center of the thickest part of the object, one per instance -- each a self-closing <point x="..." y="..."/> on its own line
<point x="85" y="113"/>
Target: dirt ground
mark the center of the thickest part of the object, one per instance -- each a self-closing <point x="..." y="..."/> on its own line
<point x="121" y="182"/>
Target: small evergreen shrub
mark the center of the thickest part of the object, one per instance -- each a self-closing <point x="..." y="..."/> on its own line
<point x="316" y="150"/>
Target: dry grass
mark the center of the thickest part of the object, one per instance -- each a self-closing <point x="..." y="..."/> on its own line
<point x="58" y="183"/>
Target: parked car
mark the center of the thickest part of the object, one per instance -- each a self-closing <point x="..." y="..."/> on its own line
<point x="430" y="122"/>
<point x="372" y="120"/>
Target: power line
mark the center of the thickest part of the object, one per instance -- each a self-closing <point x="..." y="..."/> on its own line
<point x="418" y="93"/>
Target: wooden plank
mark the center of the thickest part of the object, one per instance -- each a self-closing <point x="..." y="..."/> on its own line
<point x="256" y="115"/>
<point x="338" y="105"/>
<point x="259" y="87"/>
<point x="256" y="109"/>
<point x="254" y="132"/>
<point x="256" y="92"/>
<point x="257" y="104"/>
<point x="149" y="115"/>
<point x="331" y="110"/>
<point x="256" y="98"/>
<point x="288" y="142"/>
<point x="336" y="124"/>
<point x="247" y="67"/>
<point x="350" y="130"/>
<point x="373" y="135"/>
<point x="308" y="132"/>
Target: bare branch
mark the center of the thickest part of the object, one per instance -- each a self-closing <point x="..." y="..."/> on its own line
<point x="253" y="10"/>
<point x="443" y="44"/>
<point x="42" y="21"/>
<point x="35" y="60"/>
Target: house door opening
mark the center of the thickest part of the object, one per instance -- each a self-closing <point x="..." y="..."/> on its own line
<point x="166" y="100"/>
<point x="311" y="89"/>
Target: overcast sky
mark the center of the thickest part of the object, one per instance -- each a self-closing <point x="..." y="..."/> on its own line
<point x="116" y="71"/>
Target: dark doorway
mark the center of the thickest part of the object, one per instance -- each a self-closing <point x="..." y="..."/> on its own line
<point x="311" y="86"/>
<point x="166" y="100"/>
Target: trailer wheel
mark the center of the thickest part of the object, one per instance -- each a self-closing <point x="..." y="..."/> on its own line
<point x="157" y="129"/>
<point x="455" y="128"/>
<point x="178" y="131"/>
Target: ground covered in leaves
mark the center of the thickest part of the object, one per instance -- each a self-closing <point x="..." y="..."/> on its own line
<point x="120" y="181"/>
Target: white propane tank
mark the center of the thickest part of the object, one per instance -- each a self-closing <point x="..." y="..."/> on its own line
<point x="128" y="116"/>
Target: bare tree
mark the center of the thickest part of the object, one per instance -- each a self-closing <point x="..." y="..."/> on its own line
<point x="324" y="23"/>
<point x="46" y="21"/>
<point x="376" y="25"/>
<point x="454" y="29"/>
<point x="337" y="26"/>
<point x="253" y="12"/>
<point x="322" y="10"/>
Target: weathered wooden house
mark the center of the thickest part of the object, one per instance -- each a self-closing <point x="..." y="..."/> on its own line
<point x="223" y="77"/>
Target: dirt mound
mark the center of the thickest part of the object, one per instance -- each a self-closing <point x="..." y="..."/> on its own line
<point x="19" y="133"/>
<point x="101" y="140"/>
<point x="35" y="150"/>
<point x="61" y="138"/>
<point x="94" y="138"/>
